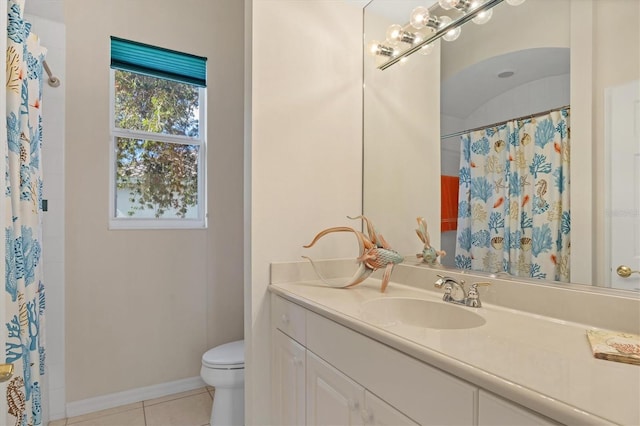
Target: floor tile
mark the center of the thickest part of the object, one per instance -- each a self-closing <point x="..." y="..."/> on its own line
<point x="173" y="396"/>
<point x="125" y="418"/>
<point x="102" y="413"/>
<point x="61" y="422"/>
<point x="192" y="410"/>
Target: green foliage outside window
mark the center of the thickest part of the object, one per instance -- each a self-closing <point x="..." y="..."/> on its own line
<point x="160" y="176"/>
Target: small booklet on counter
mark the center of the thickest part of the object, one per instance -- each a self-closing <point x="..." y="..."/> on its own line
<point x="613" y="346"/>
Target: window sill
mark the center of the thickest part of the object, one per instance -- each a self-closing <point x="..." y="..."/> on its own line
<point x="155" y="224"/>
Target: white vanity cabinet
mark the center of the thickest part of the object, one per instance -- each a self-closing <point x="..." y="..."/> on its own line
<point x="324" y="373"/>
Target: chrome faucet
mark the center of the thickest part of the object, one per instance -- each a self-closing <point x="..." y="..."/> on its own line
<point x="455" y="292"/>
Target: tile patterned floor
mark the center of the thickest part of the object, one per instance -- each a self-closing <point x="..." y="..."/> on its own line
<point x="192" y="408"/>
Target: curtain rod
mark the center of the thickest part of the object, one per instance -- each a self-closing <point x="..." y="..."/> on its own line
<point x="524" y="117"/>
<point x="53" y="80"/>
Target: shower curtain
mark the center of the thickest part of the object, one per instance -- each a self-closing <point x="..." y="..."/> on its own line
<point x="513" y="205"/>
<point x="24" y="298"/>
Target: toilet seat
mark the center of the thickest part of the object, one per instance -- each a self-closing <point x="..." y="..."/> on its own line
<point x="229" y="356"/>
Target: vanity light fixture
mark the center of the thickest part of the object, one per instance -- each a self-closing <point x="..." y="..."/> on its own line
<point x="466" y="6"/>
<point x="441" y="26"/>
<point x="421" y="17"/>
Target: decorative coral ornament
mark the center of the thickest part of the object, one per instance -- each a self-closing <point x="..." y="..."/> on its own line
<point x="375" y="254"/>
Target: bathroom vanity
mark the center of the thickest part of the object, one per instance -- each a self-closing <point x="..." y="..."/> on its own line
<point x="358" y="356"/>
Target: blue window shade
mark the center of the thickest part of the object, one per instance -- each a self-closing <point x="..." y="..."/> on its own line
<point x="158" y="62"/>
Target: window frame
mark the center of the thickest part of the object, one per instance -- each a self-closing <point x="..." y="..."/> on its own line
<point x="118" y="223"/>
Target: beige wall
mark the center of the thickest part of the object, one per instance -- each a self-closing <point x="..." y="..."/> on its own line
<point x="143" y="306"/>
<point x="306" y="152"/>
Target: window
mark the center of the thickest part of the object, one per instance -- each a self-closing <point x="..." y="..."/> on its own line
<point x="158" y="172"/>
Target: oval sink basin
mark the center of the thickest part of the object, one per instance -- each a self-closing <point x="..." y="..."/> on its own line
<point x="390" y="311"/>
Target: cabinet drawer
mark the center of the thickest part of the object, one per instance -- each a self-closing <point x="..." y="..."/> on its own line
<point x="424" y="393"/>
<point x="289" y="318"/>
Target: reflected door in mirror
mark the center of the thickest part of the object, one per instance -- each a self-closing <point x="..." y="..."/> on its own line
<point x="623" y="132"/>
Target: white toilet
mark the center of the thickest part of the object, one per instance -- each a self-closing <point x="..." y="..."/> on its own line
<point x="223" y="368"/>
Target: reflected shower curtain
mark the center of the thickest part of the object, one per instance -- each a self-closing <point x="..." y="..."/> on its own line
<point x="513" y="204"/>
<point x="24" y="296"/>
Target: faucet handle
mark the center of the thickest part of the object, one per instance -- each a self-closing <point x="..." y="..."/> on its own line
<point x="473" y="297"/>
<point x="443" y="279"/>
<point x="439" y="283"/>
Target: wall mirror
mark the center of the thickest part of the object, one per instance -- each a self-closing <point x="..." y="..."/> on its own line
<point x="555" y="53"/>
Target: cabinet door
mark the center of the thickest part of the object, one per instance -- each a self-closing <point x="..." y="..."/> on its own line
<point x="332" y="398"/>
<point x="288" y="380"/>
<point x="379" y="413"/>
<point x="495" y="411"/>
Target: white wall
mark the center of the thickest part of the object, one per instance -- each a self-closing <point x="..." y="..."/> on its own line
<point x="52" y="36"/>
<point x="306" y="152"/>
<point x="143" y="306"/>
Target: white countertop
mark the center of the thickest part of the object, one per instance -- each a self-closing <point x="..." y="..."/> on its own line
<point x="542" y="363"/>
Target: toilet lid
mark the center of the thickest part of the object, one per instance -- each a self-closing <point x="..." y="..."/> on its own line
<point x="225" y="356"/>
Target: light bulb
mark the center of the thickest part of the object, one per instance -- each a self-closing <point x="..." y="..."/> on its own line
<point x="483" y="17"/>
<point x="394" y="34"/>
<point x="515" y="2"/>
<point x="426" y="49"/>
<point x="419" y="17"/>
<point x="448" y="4"/>
<point x="452" y="34"/>
<point x="374" y="48"/>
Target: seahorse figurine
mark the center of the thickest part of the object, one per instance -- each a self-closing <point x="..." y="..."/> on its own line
<point x="429" y="255"/>
<point x="374" y="253"/>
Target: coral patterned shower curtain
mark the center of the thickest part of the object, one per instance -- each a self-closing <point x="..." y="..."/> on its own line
<point x="513" y="205"/>
<point x="24" y="298"/>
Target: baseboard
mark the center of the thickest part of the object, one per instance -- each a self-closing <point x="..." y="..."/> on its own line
<point x="89" y="405"/>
